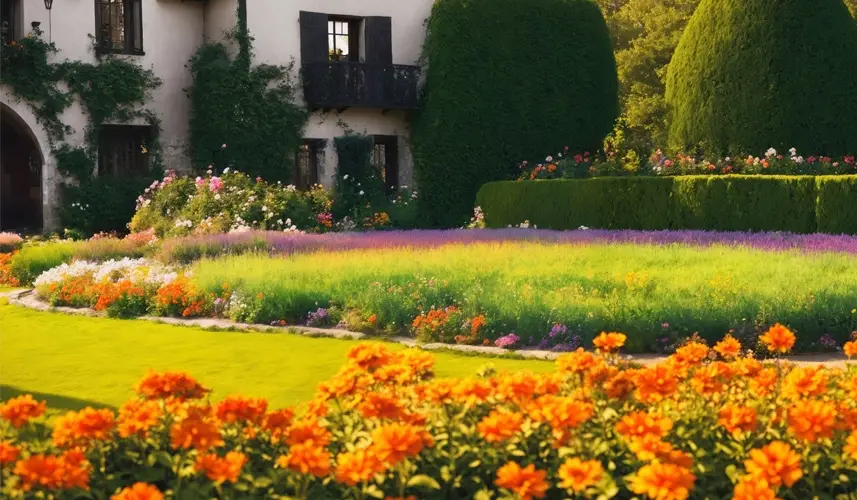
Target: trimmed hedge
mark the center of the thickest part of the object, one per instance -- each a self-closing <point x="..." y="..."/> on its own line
<point x="753" y="74"/>
<point x="798" y="204"/>
<point x="506" y="81"/>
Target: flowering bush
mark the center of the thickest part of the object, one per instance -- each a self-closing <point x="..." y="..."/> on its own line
<point x="706" y="423"/>
<point x="6" y="277"/>
<point x="10" y="242"/>
<point x="447" y="324"/>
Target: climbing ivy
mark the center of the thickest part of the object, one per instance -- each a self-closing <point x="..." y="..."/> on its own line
<point x="254" y="110"/>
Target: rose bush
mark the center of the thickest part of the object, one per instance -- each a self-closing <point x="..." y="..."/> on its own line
<point x="706" y="423"/>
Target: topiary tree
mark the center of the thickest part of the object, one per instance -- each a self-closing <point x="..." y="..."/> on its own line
<point x="753" y="74"/>
<point x="507" y="80"/>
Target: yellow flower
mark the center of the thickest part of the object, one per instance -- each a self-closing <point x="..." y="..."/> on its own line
<point x="661" y="481"/>
<point x="577" y="474"/>
<point x="776" y="463"/>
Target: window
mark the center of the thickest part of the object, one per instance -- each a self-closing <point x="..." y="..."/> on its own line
<point x="9" y="10"/>
<point x="122" y="150"/>
<point x="306" y="163"/>
<point x="119" y="26"/>
<point x="385" y="158"/>
<point x="343" y="41"/>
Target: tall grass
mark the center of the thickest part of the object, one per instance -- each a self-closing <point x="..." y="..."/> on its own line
<point x="33" y="260"/>
<point x="645" y="291"/>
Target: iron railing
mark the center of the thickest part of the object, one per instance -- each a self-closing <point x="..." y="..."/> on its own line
<point x="338" y="84"/>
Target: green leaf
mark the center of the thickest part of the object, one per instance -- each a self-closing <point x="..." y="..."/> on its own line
<point x="423" y="481"/>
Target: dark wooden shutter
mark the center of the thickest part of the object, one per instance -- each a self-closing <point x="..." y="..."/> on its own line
<point x="379" y="40"/>
<point x="99" y="27"/>
<point x="137" y="26"/>
<point x="313" y="37"/>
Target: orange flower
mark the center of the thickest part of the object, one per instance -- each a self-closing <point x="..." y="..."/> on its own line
<point x="170" y="384"/>
<point x="609" y="342"/>
<point x="237" y="409"/>
<point x="357" y="466"/>
<point x="222" y="469"/>
<point x="641" y="425"/>
<point x="662" y="481"/>
<point x="527" y="483"/>
<point x="395" y="442"/>
<point x="472" y="391"/>
<point x="810" y="420"/>
<point x="578" y="361"/>
<point x="67" y="471"/>
<point x="737" y="419"/>
<point x="8" y="452"/>
<point x="278" y="422"/>
<point x="729" y="347"/>
<point x="850" y="349"/>
<point x="377" y="405"/>
<point x="368" y="355"/>
<point x="805" y="382"/>
<point x="499" y="425"/>
<point x="691" y="353"/>
<point x="476" y="323"/>
<point x="137" y="417"/>
<point x="563" y="414"/>
<point x="706" y="380"/>
<point x="750" y="488"/>
<point x="764" y="382"/>
<point x="372" y="319"/>
<point x="577" y="475"/>
<point x="306" y="459"/>
<point x="746" y="367"/>
<point x="851" y="446"/>
<point x="308" y="431"/>
<point x="20" y="410"/>
<point x="197" y="431"/>
<point x="778" y="339"/>
<point x="80" y="428"/>
<point x="620" y="385"/>
<point x="139" y="491"/>
<point x="653" y="448"/>
<point x="655" y="383"/>
<point x="850" y="386"/>
<point x="777" y="463"/>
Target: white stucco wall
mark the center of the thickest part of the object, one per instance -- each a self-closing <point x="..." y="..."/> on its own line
<point x="276" y="31"/>
<point x="219" y="18"/>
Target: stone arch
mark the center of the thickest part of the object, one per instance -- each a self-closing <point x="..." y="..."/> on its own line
<point x="20" y="127"/>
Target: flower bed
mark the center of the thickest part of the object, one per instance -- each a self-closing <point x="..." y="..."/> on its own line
<point x="707" y="423"/>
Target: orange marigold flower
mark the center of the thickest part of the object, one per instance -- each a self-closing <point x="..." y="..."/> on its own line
<point x="578" y="361"/>
<point x="517" y="386"/>
<point x="764" y="382"/>
<point x="655" y="383"/>
<point x="609" y="342"/>
<point x="8" y="452"/>
<point x="440" y="391"/>
<point x="805" y="382"/>
<point x="746" y="367"/>
<point x="563" y="413"/>
<point x="691" y="353"/>
<point x="137" y="417"/>
<point x="847" y="417"/>
<point x="850" y="349"/>
<point x="278" y="422"/>
<point x="170" y="384"/>
<point x="238" y="409"/>
<point x="750" y="488"/>
<point x="499" y="425"/>
<point x="811" y="420"/>
<point x="850" y="386"/>
<point x="80" y="428"/>
<point x="662" y="481"/>
<point x="307" y="459"/>
<point x="395" y="442"/>
<point x="139" y="491"/>
<point x="620" y="384"/>
<point x="357" y="466"/>
<point x="577" y="474"/>
<point x="653" y="448"/>
<point x="221" y="469"/>
<point x="20" y="410"/>
<point x="472" y="391"/>
<point x="369" y="355"/>
<point x="778" y="338"/>
<point x="777" y="464"/>
<point x="729" y="347"/>
<point x="706" y="380"/>
<point x="851" y="446"/>
<point x="527" y="482"/>
<point x="377" y="405"/>
<point x="308" y="431"/>
<point x="737" y="419"/>
<point x="67" y="471"/>
<point x="640" y="424"/>
<point x="197" y="431"/>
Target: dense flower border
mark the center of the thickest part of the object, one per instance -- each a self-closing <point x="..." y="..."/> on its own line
<point x="706" y="423"/>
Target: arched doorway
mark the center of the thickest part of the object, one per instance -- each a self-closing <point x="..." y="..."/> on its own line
<point x="20" y="175"/>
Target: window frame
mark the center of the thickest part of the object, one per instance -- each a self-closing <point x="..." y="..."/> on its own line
<point x="14" y="19"/>
<point x="124" y="133"/>
<point x="132" y="28"/>
<point x="390" y="174"/>
<point x="353" y="36"/>
<point x="314" y="149"/>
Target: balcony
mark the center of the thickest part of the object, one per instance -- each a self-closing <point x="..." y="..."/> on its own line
<point x="340" y="85"/>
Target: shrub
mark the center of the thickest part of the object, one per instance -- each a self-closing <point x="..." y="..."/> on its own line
<point x="10" y="242"/>
<point x="749" y="74"/>
<point x="101" y="204"/>
<point x="37" y="258"/>
<point x="598" y="427"/>
<point x="746" y="203"/>
<point x="358" y="185"/>
<point x="507" y="80"/>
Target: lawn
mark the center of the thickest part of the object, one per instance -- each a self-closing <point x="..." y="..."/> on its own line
<point x="74" y="361"/>
<point x="645" y="291"/>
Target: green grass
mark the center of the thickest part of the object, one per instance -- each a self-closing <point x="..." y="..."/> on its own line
<point x="33" y="260"/>
<point x="75" y="361"/>
<point x="526" y="287"/>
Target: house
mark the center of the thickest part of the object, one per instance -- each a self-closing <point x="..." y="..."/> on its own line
<point x="358" y="62"/>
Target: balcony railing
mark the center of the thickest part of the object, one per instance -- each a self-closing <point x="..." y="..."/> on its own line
<point x="339" y="84"/>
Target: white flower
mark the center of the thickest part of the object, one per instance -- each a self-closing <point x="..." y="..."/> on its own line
<point x="583" y="228"/>
<point x="217" y="196"/>
<point x="771" y="152"/>
<point x="288" y="222"/>
<point x="345" y="177"/>
<point x="226" y="170"/>
<point x="793" y="151"/>
<point x="361" y="192"/>
<point x="798" y="159"/>
<point x="264" y="208"/>
<point x="549" y="158"/>
<point x="280" y="221"/>
<point x="727" y="159"/>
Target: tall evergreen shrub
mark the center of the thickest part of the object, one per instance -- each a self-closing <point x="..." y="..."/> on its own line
<point x="506" y="81"/>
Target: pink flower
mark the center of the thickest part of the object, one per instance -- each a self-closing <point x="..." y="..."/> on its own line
<point x="200" y="181"/>
<point x="578" y="158"/>
<point x="668" y="163"/>
<point x="215" y="184"/>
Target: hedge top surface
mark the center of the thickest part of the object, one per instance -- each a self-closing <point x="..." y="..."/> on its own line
<point x="753" y="74"/>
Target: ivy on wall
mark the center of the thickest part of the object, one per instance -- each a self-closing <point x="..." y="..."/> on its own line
<point x="253" y="109"/>
<point x="111" y="90"/>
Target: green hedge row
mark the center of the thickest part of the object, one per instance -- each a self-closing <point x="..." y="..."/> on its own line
<point x="799" y="204"/>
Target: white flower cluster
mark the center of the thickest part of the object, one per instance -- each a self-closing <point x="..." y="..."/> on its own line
<point x="137" y="270"/>
<point x="184" y="223"/>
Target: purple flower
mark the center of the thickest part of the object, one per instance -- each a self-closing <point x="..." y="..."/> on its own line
<point x="558" y="329"/>
<point x="508" y="340"/>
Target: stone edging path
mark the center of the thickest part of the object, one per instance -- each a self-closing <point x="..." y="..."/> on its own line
<point x="25" y="298"/>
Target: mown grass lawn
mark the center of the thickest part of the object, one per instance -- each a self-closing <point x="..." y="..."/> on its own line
<point x="74" y="361"/>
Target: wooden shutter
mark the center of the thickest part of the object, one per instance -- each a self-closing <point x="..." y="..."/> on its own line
<point x="379" y="40"/>
<point x="99" y="24"/>
<point x="136" y="26"/>
<point x="313" y="37"/>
